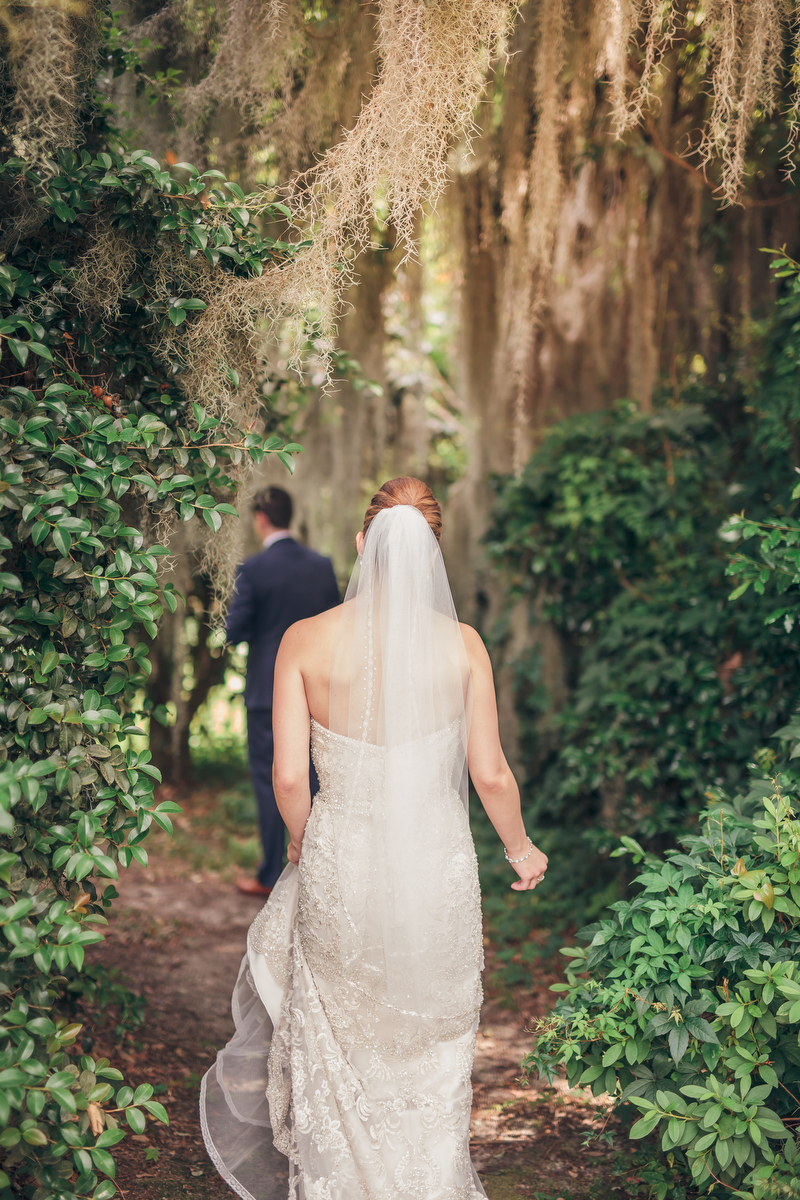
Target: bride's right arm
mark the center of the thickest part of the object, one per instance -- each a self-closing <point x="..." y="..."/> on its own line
<point x="291" y="728"/>
<point x="491" y="774"/>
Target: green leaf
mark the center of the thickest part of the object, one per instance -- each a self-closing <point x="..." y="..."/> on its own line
<point x="62" y="541"/>
<point x="156" y="1110"/>
<point x="723" y="1152"/>
<point x="34" y="1137"/>
<point x="644" y="1125"/>
<point x="65" y="1098"/>
<point x="19" y="350"/>
<point x="136" y="1119"/>
<point x="678" y="1042"/>
<point x="613" y="1054"/>
<point x="104" y="1162"/>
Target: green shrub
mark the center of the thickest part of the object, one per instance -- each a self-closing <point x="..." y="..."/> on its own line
<point x="686" y="1001"/>
<point x="616" y="538"/>
<point x="97" y="436"/>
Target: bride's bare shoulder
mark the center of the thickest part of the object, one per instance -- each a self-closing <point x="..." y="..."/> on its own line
<point x="312" y="633"/>
<point x="473" y="644"/>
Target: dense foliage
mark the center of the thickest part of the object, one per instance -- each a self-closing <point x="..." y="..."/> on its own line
<point x="616" y="538"/>
<point x="686" y="1002"/>
<point x="99" y="443"/>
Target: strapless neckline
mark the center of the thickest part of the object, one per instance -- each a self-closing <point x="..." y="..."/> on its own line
<point x="342" y="737"/>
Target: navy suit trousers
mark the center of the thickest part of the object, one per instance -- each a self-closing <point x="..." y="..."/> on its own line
<point x="273" y="831"/>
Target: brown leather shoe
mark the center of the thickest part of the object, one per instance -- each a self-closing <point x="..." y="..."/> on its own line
<point x="251" y="887"/>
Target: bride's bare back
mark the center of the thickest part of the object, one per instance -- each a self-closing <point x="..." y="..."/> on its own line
<point x="302" y="691"/>
<point x="307" y="651"/>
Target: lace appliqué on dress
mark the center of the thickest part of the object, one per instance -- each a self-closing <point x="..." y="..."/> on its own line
<point x="368" y="1102"/>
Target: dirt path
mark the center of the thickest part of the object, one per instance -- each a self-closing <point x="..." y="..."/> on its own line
<point x="179" y="942"/>
<point x="177" y="934"/>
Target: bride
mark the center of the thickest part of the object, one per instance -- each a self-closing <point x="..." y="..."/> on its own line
<point x="357" y="1004"/>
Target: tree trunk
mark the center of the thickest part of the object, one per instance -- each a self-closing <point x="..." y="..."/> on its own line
<point x="646" y="278"/>
<point x="172" y="652"/>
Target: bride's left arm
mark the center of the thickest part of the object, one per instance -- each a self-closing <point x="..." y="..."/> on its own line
<point x="291" y="727"/>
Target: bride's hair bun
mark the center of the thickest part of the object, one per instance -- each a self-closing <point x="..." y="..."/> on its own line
<point x="406" y="490"/>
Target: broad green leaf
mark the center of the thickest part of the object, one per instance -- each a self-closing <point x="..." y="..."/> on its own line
<point x="644" y="1125"/>
<point x="104" y="1162"/>
<point x="136" y="1119"/>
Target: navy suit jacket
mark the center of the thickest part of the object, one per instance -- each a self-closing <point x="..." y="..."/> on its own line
<point x="273" y="589"/>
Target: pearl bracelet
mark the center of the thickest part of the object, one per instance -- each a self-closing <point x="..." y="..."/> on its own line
<point x="519" y="860"/>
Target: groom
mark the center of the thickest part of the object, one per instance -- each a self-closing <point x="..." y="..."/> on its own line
<point x="285" y="583"/>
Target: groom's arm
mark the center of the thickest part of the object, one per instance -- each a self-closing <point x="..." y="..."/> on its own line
<point x="240" y="625"/>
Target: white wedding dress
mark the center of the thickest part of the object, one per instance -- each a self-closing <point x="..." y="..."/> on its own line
<point x="357" y="1003"/>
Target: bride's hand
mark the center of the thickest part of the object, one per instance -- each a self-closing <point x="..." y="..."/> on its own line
<point x="294" y="851"/>
<point x="531" y="872"/>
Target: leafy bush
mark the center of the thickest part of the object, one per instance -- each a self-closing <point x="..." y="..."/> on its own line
<point x="98" y="440"/>
<point x="616" y="537"/>
<point x="686" y="1002"/>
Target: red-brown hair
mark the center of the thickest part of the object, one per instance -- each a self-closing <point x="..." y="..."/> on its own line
<point x="406" y="490"/>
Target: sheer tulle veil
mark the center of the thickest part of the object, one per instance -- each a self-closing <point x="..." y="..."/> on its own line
<point x="400" y="680"/>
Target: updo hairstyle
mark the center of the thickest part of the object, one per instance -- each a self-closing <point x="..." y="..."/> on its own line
<point x="406" y="490"/>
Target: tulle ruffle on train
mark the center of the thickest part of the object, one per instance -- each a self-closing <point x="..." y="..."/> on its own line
<point x="234" y="1106"/>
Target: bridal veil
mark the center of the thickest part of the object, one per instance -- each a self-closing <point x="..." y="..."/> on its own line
<point x="400" y="680"/>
